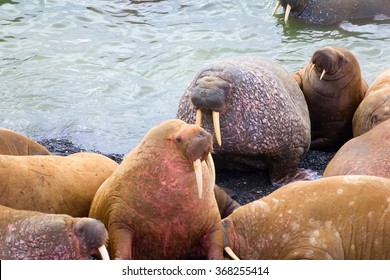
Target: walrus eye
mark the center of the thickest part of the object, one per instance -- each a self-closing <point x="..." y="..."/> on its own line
<point x="179" y="139"/>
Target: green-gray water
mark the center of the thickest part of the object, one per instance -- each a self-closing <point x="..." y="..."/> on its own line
<point x="102" y="73"/>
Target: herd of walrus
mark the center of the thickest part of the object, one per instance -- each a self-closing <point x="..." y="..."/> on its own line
<point x="161" y="201"/>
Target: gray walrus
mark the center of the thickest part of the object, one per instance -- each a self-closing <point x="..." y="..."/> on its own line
<point x="341" y="217"/>
<point x="257" y="113"/>
<point x="160" y="203"/>
<point x="367" y="154"/>
<point x="332" y="11"/>
<point x="30" y="235"/>
<point x="333" y="87"/>
<point x="16" y="144"/>
<point x="375" y="107"/>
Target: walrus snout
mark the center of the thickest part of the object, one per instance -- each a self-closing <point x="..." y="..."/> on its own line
<point x="327" y="61"/>
<point x="199" y="146"/>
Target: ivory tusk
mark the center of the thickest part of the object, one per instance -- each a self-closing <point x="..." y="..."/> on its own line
<point x="199" y="177"/>
<point x="217" y="128"/>
<point x="311" y="68"/>
<point x="103" y="253"/>
<point x="211" y="167"/>
<point x="287" y="14"/>
<point x="230" y="252"/>
<point x="276" y="8"/>
<point x="323" y="73"/>
<point x="198" y="121"/>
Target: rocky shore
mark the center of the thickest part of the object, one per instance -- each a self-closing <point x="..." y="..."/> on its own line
<point x="244" y="187"/>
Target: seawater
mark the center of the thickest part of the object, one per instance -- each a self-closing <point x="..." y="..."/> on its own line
<point x="103" y="73"/>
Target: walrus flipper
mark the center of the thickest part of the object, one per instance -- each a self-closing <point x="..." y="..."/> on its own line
<point x="213" y="243"/>
<point x="226" y="204"/>
<point x="122" y="241"/>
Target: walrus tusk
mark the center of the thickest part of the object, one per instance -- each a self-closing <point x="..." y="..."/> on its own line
<point x="217" y="128"/>
<point x="230" y="252"/>
<point x="198" y="121"/>
<point x="199" y="177"/>
<point x="288" y="10"/>
<point x="103" y="253"/>
<point x="276" y="8"/>
<point x="323" y="73"/>
<point x="211" y="167"/>
<point x="311" y="68"/>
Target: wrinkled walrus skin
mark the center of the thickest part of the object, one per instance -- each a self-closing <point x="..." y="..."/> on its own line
<point x="264" y="119"/>
<point x="341" y="217"/>
<point x="15" y="144"/>
<point x="53" y="184"/>
<point x="375" y="107"/>
<point x="30" y="235"/>
<point x="333" y="87"/>
<point x="367" y="154"/>
<point x="150" y="205"/>
<point x="328" y="12"/>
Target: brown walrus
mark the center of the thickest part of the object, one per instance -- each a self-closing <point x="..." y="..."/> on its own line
<point x="53" y="184"/>
<point x="155" y="206"/>
<point x="341" y="217"/>
<point x="13" y="143"/>
<point x="333" y="87"/>
<point x="375" y="107"/>
<point x="257" y="113"/>
<point x="367" y="154"/>
<point x="30" y="235"/>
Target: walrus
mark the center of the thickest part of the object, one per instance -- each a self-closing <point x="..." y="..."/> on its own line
<point x="367" y="154"/>
<point x="16" y="144"/>
<point x="341" y="217"/>
<point x="53" y="184"/>
<point x="31" y="235"/>
<point x="160" y="203"/>
<point x="333" y="87"/>
<point x="375" y="107"/>
<point x="257" y="113"/>
<point x="332" y="11"/>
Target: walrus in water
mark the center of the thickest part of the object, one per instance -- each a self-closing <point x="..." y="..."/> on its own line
<point x="375" y="107"/>
<point x="160" y="203"/>
<point x="13" y="143"/>
<point x="367" y="154"/>
<point x="341" y="217"/>
<point x="333" y="87"/>
<point x="257" y="113"/>
<point x="30" y="235"/>
<point x="53" y="184"/>
<point x="332" y="11"/>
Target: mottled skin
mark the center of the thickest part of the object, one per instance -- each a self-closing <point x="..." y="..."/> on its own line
<point x="150" y="205"/>
<point x="53" y="184"/>
<point x="375" y="107"/>
<point x="30" y="235"/>
<point x="342" y="217"/>
<point x="335" y="11"/>
<point x="367" y="154"/>
<point x="332" y="100"/>
<point x="264" y="118"/>
<point x="13" y="143"/>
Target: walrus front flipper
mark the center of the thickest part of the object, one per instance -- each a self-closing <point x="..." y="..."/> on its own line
<point x="213" y="243"/>
<point x="226" y="204"/>
<point x="122" y="241"/>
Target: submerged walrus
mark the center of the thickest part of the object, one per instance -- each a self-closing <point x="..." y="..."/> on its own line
<point x="333" y="87"/>
<point x="367" y="154"/>
<point x="341" y="217"/>
<point x="30" y="235"/>
<point x="159" y="203"/>
<point x="375" y="107"/>
<point x="53" y="184"/>
<point x="13" y="143"/>
<point x="257" y="112"/>
<point x="332" y="11"/>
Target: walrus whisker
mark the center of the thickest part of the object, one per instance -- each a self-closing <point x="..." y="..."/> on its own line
<point x="231" y="254"/>
<point x="211" y="167"/>
<point x="276" y="8"/>
<point x="199" y="177"/>
<point x="217" y="128"/>
<point x="323" y="73"/>
<point x="288" y="10"/>
<point x="198" y="121"/>
<point x="104" y="253"/>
